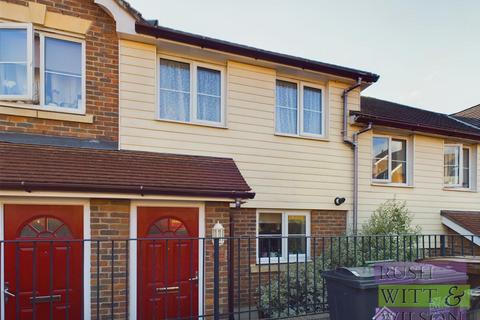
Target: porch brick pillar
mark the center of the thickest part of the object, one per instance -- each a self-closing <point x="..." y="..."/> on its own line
<point x="109" y="220"/>
<point x="216" y="211"/>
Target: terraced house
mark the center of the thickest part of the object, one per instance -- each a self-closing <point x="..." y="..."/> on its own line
<point x="126" y="146"/>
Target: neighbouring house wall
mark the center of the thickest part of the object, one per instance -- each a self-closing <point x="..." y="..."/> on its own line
<point x="285" y="172"/>
<point x="101" y="120"/>
<point x="427" y="195"/>
<point x="109" y="220"/>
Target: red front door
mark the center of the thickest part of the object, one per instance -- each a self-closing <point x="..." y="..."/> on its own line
<point x="45" y="276"/>
<point x="167" y="263"/>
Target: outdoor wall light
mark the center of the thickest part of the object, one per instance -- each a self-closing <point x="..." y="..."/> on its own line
<point x="339" y="201"/>
<point x="218" y="231"/>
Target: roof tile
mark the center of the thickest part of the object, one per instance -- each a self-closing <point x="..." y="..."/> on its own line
<point x="81" y="169"/>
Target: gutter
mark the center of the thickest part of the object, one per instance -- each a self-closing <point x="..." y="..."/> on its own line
<point x="251" y="52"/>
<point x="353" y="143"/>
<point x="142" y="190"/>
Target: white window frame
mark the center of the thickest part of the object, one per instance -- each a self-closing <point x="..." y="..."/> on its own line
<point x="300" y="124"/>
<point x="460" y="166"/>
<point x="29" y="28"/>
<point x="407" y="162"/>
<point x="82" y="108"/>
<point x="193" y="90"/>
<point x="292" y="257"/>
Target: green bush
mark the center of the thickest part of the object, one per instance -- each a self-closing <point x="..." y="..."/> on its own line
<point x="390" y="218"/>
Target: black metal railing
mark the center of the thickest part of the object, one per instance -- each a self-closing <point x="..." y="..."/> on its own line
<point x="190" y="278"/>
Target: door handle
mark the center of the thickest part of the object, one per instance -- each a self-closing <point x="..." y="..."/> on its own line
<point x="8" y="293"/>
<point x="194" y="278"/>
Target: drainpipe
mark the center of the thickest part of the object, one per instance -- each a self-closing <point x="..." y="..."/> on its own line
<point x="355" y="175"/>
<point x="353" y="143"/>
<point x="346" y="139"/>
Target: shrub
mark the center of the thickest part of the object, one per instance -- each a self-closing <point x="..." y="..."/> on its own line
<point x="390" y="218"/>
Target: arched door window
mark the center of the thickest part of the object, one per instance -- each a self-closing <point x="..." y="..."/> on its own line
<point x="168" y="227"/>
<point x="45" y="227"/>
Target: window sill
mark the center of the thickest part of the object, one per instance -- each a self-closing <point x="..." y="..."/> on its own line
<point x="274" y="266"/>
<point x="296" y="136"/>
<point x="33" y="111"/>
<point x="200" y="124"/>
<point x="458" y="189"/>
<point x="392" y="185"/>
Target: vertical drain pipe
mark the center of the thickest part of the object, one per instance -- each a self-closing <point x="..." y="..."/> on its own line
<point x="355" y="175"/>
<point x="354" y="144"/>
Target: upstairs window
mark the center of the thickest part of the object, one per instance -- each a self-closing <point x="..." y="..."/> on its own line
<point x="15" y="61"/>
<point x="62" y="74"/>
<point x="456" y="166"/>
<point x="191" y="92"/>
<point x="299" y="109"/>
<point x="41" y="69"/>
<point x="390" y="162"/>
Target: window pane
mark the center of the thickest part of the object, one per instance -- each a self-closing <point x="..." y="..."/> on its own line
<point x="208" y="95"/>
<point x="312" y="110"/>
<point x="399" y="150"/>
<point x="13" y="62"/>
<point x="63" y="90"/>
<point x="451" y="165"/>
<point x="399" y="161"/>
<point x="13" y="45"/>
<point x="297" y="225"/>
<point x="286" y="113"/>
<point x="13" y="78"/>
<point x="63" y="56"/>
<point x="380" y="158"/>
<point x="174" y="90"/>
<point x="63" y="76"/>
<point x="208" y="82"/>
<point x="270" y="223"/>
<point x="466" y="168"/>
<point x="297" y="245"/>
<point x="270" y="247"/>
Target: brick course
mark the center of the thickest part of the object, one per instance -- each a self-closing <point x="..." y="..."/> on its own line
<point x="216" y="211"/>
<point x="101" y="79"/>
<point x="109" y="220"/>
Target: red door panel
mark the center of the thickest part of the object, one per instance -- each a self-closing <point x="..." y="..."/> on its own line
<point x="45" y="276"/>
<point x="167" y="262"/>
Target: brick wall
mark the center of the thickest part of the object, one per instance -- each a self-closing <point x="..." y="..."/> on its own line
<point x="216" y="211"/>
<point x="109" y="220"/>
<point x="328" y="222"/>
<point x="460" y="244"/>
<point x="101" y="79"/>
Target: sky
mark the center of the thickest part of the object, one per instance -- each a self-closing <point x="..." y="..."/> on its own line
<point x="427" y="52"/>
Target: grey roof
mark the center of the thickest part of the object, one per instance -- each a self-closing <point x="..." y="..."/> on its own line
<point x="470" y="115"/>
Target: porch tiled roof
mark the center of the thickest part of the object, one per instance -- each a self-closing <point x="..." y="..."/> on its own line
<point x="39" y="167"/>
<point x="390" y="114"/>
<point x="469" y="220"/>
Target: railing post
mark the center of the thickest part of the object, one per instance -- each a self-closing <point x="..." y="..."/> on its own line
<point x="443" y="249"/>
<point x="216" y="277"/>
